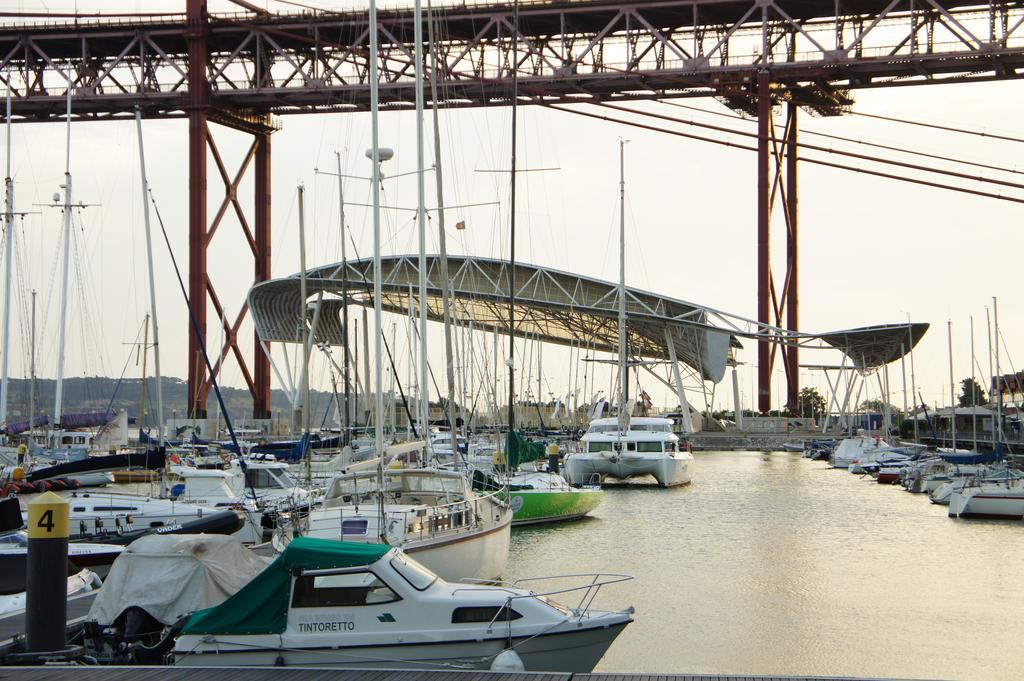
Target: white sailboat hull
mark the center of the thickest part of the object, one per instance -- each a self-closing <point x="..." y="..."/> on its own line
<point x="991" y="503"/>
<point x="476" y="555"/>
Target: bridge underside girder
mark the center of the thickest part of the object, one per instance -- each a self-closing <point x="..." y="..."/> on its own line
<point x="237" y="69"/>
<point x="565" y="52"/>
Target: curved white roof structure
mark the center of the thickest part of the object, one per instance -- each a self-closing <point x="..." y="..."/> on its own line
<point x="550" y="305"/>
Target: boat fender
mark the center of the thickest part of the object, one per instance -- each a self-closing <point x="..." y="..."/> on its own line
<point x="507" y="661"/>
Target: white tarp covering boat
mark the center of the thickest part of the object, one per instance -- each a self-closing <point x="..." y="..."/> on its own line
<point x="169" y="576"/>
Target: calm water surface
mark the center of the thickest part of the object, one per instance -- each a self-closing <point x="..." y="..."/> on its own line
<point x="774" y="564"/>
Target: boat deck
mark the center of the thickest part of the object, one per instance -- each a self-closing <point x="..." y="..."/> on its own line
<point x="297" y="674"/>
<point x="14" y="624"/>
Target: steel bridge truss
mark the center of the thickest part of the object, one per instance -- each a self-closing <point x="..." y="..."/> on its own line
<point x="237" y="69"/>
<point x="567" y="52"/>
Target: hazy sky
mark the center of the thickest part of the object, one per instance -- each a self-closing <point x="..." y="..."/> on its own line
<point x="872" y="250"/>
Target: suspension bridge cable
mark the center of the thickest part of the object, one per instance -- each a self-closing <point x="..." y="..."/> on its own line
<point x="813" y="161"/>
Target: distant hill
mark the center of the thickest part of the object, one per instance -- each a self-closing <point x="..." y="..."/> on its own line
<point x="98" y="393"/>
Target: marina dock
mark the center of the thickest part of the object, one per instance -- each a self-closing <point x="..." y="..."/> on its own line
<point x="285" y="674"/>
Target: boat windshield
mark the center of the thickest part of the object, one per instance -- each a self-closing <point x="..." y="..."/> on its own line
<point x="265" y="478"/>
<point x="14" y="539"/>
<point x="432" y="483"/>
<point x="418" y="576"/>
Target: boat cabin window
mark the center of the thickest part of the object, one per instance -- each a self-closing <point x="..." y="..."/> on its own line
<point x="351" y="588"/>
<point x="432" y="483"/>
<point x="651" y="427"/>
<point x="485" y="614"/>
<point x="418" y="576"/>
<point x="648" y="446"/>
<point x="354" y="526"/>
<point x="599" y="446"/>
<point x="264" y="478"/>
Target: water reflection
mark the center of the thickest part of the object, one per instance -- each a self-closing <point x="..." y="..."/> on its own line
<point x="773" y="564"/>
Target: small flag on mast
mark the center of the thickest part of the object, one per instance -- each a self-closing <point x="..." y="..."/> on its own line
<point x="461" y="224"/>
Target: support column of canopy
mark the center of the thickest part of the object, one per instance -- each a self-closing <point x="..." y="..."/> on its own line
<point x="737" y="404"/>
<point x="684" y="406"/>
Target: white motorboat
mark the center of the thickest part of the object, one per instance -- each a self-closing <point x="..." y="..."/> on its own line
<point x="648" y="448"/>
<point x="100" y="512"/>
<point x="14" y="556"/>
<point x="78" y="583"/>
<point x="339" y="604"/>
<point x="432" y="514"/>
<point x="265" y="486"/>
<point x="855" y="449"/>
<point x="1002" y="499"/>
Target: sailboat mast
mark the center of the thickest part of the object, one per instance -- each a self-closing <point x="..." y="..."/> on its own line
<point x="346" y="366"/>
<point x="8" y="274"/>
<point x="974" y="392"/>
<point x="952" y="390"/>
<point x="913" y="379"/>
<point x="152" y="284"/>
<point x="58" y="403"/>
<point x="145" y="357"/>
<point x="305" y="342"/>
<point x="623" y="369"/>
<point x="374" y="153"/>
<point x="999" y="372"/>
<point x="32" y="374"/>
<point x="996" y="381"/>
<point x="512" y="226"/>
<point x="441" y="245"/>
<point x="421" y="220"/>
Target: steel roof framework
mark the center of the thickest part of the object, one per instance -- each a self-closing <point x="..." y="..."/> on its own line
<point x="551" y="306"/>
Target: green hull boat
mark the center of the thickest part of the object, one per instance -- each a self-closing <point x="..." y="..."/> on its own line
<point x="547" y="498"/>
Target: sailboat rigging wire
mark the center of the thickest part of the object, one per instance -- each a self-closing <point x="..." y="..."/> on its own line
<point x="120" y="378"/>
<point x="803" y="159"/>
<point x="202" y="348"/>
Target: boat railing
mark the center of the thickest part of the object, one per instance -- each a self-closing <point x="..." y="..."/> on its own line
<point x="589" y="591"/>
<point x="426" y="522"/>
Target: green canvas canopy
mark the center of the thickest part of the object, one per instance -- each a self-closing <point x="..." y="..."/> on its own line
<point x="261" y="606"/>
<point x="519" y="450"/>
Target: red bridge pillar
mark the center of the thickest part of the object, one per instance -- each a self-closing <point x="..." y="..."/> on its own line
<point x="201" y="232"/>
<point x="776" y="186"/>
<point x="261" y="370"/>
<point x="764" y="251"/>
<point x="198" y="102"/>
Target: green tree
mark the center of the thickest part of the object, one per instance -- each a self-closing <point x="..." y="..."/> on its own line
<point x="877" y="407"/>
<point x="971" y="393"/>
<point x="811" y="403"/>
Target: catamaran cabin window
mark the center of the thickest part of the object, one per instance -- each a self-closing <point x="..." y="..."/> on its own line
<point x="651" y="427"/>
<point x="414" y="573"/>
<point x="351" y="588"/>
<point x="648" y="446"/>
<point x="491" y="613"/>
<point x="599" y="446"/>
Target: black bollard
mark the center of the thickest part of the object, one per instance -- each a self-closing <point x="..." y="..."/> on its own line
<point x="46" y="599"/>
